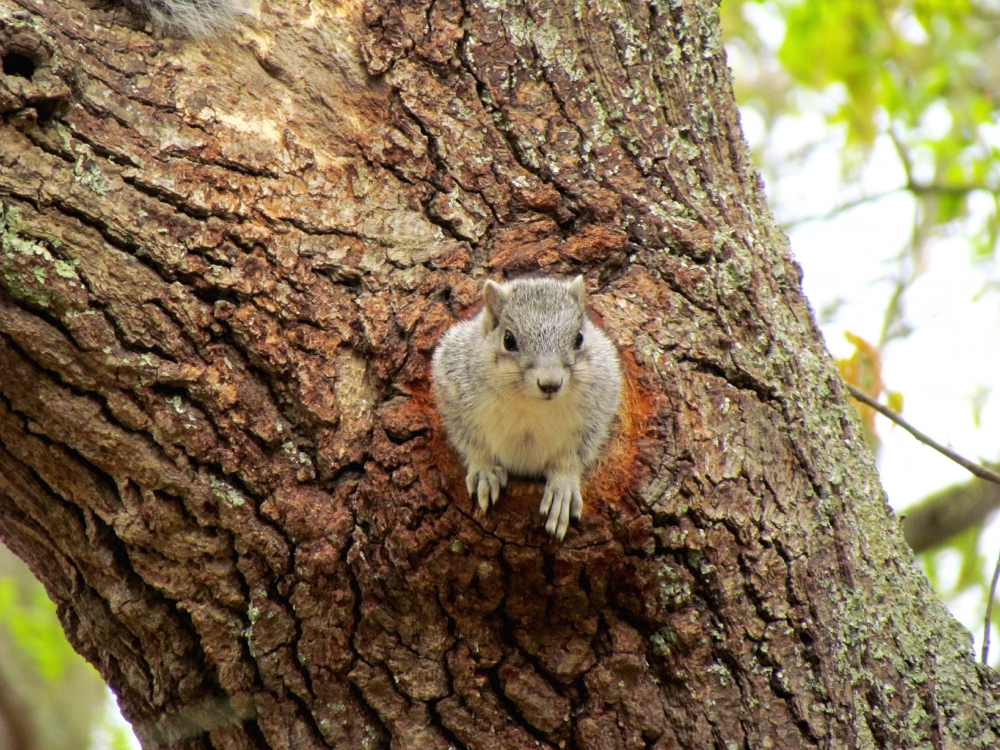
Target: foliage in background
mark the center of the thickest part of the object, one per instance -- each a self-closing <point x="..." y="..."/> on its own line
<point x="972" y="569"/>
<point x="64" y="696"/>
<point x="32" y="623"/>
<point x="923" y="75"/>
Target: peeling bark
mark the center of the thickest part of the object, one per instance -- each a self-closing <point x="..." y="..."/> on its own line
<point x="223" y="270"/>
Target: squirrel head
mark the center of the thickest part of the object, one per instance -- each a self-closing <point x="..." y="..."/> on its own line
<point x="537" y="333"/>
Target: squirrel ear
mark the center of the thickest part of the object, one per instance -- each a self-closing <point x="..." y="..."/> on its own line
<point x="578" y="291"/>
<point x="494" y="297"/>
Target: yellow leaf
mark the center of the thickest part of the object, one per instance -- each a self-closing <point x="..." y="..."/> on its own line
<point x="894" y="400"/>
<point x="863" y="370"/>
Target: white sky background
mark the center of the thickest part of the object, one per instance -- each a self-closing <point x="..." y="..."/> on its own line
<point x="849" y="263"/>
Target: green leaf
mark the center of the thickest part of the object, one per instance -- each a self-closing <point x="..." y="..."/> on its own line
<point x="31" y="620"/>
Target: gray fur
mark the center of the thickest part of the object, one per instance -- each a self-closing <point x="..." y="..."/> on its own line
<point x="193" y="18"/>
<point x="543" y="410"/>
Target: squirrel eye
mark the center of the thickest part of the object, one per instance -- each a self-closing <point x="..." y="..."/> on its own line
<point x="509" y="342"/>
<point x="579" y="339"/>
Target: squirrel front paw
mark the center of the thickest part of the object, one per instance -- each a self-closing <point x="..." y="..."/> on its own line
<point x="484" y="481"/>
<point x="561" y="502"/>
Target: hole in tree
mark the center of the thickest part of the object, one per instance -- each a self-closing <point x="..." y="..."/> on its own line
<point x="18" y="65"/>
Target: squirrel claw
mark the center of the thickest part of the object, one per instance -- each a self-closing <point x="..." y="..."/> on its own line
<point x="484" y="484"/>
<point x="560" y="502"/>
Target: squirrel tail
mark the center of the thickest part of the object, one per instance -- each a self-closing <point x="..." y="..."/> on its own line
<point x="195" y="18"/>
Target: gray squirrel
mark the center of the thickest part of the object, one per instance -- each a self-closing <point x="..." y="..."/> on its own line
<point x="191" y="18"/>
<point x="528" y="387"/>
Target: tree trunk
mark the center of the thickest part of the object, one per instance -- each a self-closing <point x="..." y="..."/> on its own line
<point x="224" y="267"/>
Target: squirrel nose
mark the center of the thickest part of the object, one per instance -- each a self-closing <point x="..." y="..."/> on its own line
<point x="548" y="387"/>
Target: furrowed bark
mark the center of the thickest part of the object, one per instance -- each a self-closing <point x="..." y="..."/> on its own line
<point x="224" y="267"/>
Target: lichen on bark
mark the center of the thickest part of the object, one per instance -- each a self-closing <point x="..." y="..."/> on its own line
<point x="223" y="268"/>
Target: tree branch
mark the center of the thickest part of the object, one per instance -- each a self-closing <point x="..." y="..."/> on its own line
<point x="15" y="720"/>
<point x="989" y="611"/>
<point x="974" y="468"/>
<point x="947" y="512"/>
<point x="839" y="209"/>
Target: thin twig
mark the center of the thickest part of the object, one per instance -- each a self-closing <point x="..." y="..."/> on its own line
<point x="839" y="209"/>
<point x="893" y="324"/>
<point x="989" y="611"/>
<point x="976" y="469"/>
<point x="902" y="153"/>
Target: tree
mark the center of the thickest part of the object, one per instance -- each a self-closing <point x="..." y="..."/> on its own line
<point x="223" y="270"/>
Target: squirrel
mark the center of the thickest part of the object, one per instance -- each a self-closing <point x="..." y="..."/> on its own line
<point x="191" y="18"/>
<point x="528" y="387"/>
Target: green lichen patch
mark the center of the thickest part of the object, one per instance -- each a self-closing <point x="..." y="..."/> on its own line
<point x="31" y="275"/>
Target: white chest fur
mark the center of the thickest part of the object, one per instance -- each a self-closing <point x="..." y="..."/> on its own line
<point x="528" y="435"/>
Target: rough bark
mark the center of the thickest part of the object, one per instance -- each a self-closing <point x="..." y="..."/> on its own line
<point x="224" y="267"/>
